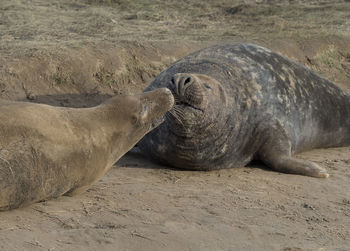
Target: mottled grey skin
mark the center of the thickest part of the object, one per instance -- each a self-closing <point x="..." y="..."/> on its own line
<point x="48" y="151"/>
<point x="240" y="102"/>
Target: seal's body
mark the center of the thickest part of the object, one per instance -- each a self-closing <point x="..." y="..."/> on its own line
<point x="240" y="102"/>
<point x="48" y="151"/>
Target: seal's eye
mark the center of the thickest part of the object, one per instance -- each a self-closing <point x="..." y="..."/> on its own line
<point x="207" y="86"/>
<point x="134" y="119"/>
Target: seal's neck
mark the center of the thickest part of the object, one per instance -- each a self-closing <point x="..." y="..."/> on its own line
<point x="103" y="128"/>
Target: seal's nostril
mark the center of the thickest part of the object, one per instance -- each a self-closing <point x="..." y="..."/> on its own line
<point x="173" y="80"/>
<point x="187" y="81"/>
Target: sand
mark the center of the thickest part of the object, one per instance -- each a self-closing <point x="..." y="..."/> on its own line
<point x="78" y="53"/>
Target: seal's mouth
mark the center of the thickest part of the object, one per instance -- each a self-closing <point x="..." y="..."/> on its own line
<point x="184" y="105"/>
<point x="184" y="114"/>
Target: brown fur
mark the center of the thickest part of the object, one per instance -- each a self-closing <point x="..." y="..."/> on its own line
<point x="48" y="151"/>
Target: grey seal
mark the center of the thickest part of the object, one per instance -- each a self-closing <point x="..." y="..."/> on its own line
<point x="48" y="151"/>
<point x="241" y="102"/>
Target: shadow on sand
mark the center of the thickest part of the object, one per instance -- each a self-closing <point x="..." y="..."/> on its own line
<point x="135" y="159"/>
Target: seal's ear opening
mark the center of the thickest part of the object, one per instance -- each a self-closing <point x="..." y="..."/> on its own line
<point x="134" y="119"/>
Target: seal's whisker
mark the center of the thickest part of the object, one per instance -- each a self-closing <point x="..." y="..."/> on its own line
<point x="178" y="110"/>
<point x="179" y="113"/>
<point x="175" y="116"/>
<point x="176" y="98"/>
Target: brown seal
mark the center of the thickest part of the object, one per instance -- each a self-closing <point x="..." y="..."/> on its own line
<point x="241" y="102"/>
<point x="48" y="151"/>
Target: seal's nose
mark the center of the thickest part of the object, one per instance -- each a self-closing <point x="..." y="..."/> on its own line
<point x="187" y="80"/>
<point x="181" y="82"/>
<point x="165" y="98"/>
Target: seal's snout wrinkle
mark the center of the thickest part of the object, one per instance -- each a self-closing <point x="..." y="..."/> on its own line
<point x="65" y="150"/>
<point x="237" y="102"/>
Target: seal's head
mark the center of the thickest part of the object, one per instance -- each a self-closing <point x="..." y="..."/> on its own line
<point x="143" y="112"/>
<point x="192" y="131"/>
<point x="132" y="116"/>
<point x="150" y="109"/>
<point x="197" y="98"/>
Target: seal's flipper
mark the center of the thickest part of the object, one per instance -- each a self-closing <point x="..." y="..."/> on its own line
<point x="292" y="165"/>
<point x="276" y="153"/>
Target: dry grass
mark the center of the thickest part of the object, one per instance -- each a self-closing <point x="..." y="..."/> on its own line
<point x="333" y="62"/>
<point x="47" y="29"/>
<point x="59" y="23"/>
